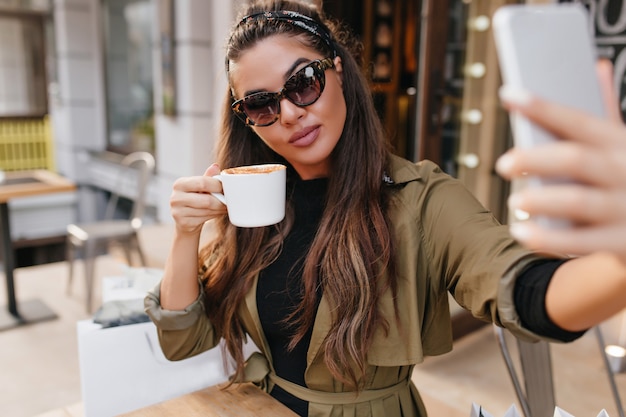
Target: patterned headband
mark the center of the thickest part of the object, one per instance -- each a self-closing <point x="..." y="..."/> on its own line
<point x="295" y="19"/>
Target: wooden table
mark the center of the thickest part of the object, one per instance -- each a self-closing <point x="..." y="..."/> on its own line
<point x="239" y="400"/>
<point x="22" y="184"/>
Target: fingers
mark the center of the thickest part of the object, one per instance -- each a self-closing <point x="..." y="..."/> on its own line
<point x="198" y="184"/>
<point x="192" y="203"/>
<point x="592" y="154"/>
<point x="581" y="163"/>
<point x="212" y="170"/>
<point x="604" y="69"/>
<point x="562" y="121"/>
<point x="574" y="241"/>
<point x="580" y="204"/>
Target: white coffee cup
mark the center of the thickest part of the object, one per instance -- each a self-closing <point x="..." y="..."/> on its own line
<point x="254" y="194"/>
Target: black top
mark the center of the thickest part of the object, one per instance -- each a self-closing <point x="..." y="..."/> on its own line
<point x="279" y="290"/>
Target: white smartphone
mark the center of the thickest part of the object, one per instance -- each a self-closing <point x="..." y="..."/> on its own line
<point x="548" y="51"/>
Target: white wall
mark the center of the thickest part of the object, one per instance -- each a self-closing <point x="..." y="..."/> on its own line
<point x="78" y="109"/>
<point x="185" y="143"/>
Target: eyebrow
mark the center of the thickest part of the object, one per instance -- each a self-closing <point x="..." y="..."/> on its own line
<point x="294" y="66"/>
<point x="287" y="74"/>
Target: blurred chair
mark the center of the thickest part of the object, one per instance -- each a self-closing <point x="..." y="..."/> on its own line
<point x="610" y="371"/>
<point x="537" y="397"/>
<point x="137" y="168"/>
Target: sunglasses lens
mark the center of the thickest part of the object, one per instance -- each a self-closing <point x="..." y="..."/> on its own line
<point x="261" y="108"/>
<point x="304" y="87"/>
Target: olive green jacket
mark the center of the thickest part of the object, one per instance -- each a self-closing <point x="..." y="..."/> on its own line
<point x="446" y="241"/>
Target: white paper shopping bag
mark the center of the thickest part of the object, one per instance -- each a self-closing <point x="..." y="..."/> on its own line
<point x="559" y="412"/>
<point x="123" y="368"/>
<point x="478" y="411"/>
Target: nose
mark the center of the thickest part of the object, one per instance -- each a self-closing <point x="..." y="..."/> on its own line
<point x="289" y="112"/>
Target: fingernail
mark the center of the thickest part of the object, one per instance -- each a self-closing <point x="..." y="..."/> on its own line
<point x="504" y="164"/>
<point x="515" y="95"/>
<point x="514" y="203"/>
<point x="520" y="231"/>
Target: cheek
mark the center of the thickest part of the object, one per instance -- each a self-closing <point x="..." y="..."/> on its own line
<point x="268" y="137"/>
<point x="337" y="108"/>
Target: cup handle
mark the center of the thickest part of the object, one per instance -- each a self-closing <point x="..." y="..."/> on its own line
<point x="219" y="196"/>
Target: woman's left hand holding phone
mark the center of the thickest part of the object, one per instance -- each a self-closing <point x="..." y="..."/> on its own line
<point x="593" y="154"/>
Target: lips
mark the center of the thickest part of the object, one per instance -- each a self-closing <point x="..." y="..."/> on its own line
<point x="305" y="137"/>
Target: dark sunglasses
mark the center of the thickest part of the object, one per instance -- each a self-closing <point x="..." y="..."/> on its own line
<point x="303" y="89"/>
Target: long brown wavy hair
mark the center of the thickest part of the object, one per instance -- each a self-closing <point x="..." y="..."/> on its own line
<point x="351" y="254"/>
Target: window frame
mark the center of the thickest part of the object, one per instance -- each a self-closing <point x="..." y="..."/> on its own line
<point x="40" y="20"/>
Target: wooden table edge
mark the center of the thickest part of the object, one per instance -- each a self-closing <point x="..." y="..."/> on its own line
<point x="241" y="400"/>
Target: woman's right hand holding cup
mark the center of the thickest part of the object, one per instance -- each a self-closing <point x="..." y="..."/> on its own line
<point x="192" y="203"/>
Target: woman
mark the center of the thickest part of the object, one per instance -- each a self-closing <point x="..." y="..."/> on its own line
<point x="350" y="291"/>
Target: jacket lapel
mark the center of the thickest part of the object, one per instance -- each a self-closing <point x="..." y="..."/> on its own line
<point x="250" y="317"/>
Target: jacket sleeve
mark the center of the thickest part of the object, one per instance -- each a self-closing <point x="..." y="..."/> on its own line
<point x="183" y="333"/>
<point x="475" y="255"/>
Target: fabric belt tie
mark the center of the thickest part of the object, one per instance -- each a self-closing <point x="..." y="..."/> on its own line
<point x="257" y="370"/>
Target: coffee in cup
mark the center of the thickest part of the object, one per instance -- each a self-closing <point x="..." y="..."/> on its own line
<point x="254" y="194"/>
